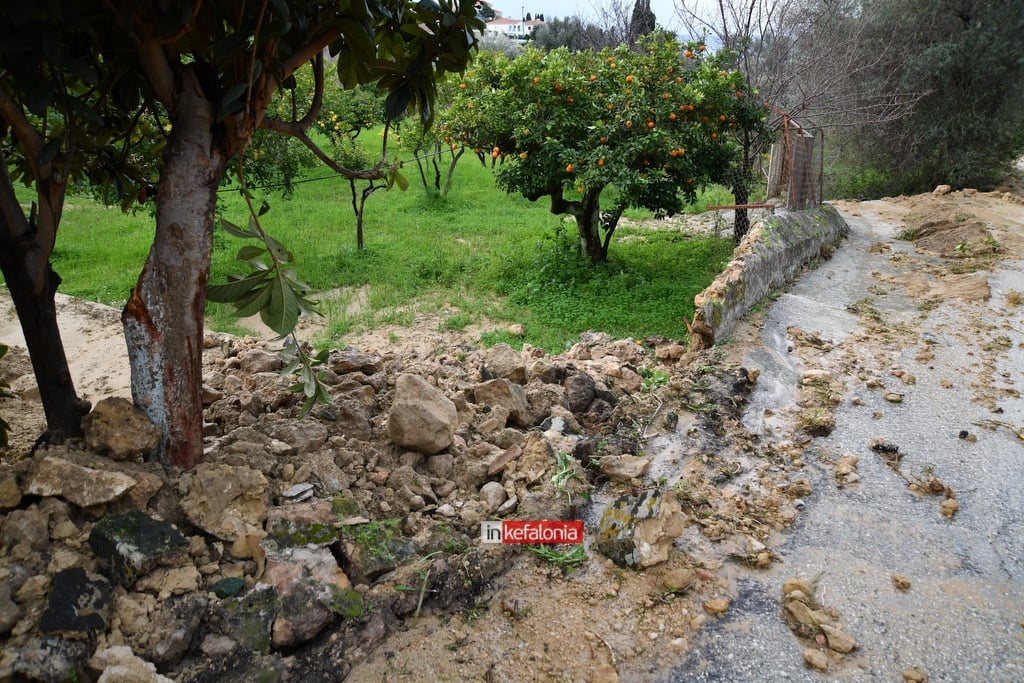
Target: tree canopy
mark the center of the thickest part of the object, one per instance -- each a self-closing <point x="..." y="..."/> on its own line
<point x="641" y="128"/>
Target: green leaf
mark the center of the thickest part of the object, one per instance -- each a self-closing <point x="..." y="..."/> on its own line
<point x="281" y="314"/>
<point x="232" y="292"/>
<point x="233" y="229"/>
<point x="254" y="302"/>
<point x="249" y="252"/>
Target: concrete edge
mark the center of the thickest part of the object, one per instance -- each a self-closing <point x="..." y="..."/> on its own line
<point x="770" y="255"/>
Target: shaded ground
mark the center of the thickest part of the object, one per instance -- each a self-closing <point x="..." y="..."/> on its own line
<point x="910" y="342"/>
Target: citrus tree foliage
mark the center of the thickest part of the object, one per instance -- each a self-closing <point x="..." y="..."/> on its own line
<point x="643" y="128"/>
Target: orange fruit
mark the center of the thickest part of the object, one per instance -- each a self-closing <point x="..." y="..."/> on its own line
<point x="629" y="78"/>
<point x="600" y="162"/>
<point x="569" y="168"/>
<point x="689" y="54"/>
<point x="672" y="116"/>
<point x="650" y="124"/>
<point x="462" y="86"/>
<point x="536" y="79"/>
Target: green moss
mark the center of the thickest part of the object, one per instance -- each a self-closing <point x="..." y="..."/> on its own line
<point x="343" y="505"/>
<point x="347" y="603"/>
<point x="291" y="534"/>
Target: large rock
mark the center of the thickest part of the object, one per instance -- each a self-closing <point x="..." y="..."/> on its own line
<point x="350" y="360"/>
<point x="227" y="502"/>
<point x="117" y="427"/>
<point x="313" y="590"/>
<point x="133" y="543"/>
<point x="83" y="486"/>
<point x="51" y="659"/>
<point x="9" y="610"/>
<point x="502" y="392"/>
<point x="422" y="418"/>
<point x="639" y="531"/>
<point x="502" y="361"/>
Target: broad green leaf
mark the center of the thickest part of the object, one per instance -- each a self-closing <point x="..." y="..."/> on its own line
<point x="281" y="313"/>
<point x="231" y="292"/>
<point x="254" y="302"/>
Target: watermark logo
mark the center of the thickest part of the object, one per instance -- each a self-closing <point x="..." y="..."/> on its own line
<point x="532" y="532"/>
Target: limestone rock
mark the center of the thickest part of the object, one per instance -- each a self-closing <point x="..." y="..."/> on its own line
<point x="816" y="659"/>
<point x="10" y="493"/>
<point x="623" y="468"/>
<point x="115" y="426"/>
<point x="120" y="665"/>
<point x="173" y="627"/>
<point x="83" y="486"/>
<point x="838" y="640"/>
<point x="506" y="394"/>
<point x="255" y="361"/>
<point x="51" y="658"/>
<point x="133" y="543"/>
<point x="227" y="502"/>
<point x="493" y="494"/>
<point x="422" y="418"/>
<point x="167" y="581"/>
<point x="9" y="611"/>
<point x="504" y="362"/>
<point x="25" y="526"/>
<point x="639" y="531"/>
<point x="349" y="360"/>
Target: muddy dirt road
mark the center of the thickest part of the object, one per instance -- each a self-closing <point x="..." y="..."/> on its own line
<point x="926" y="356"/>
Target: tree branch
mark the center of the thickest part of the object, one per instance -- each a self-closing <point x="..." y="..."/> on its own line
<point x="161" y="75"/>
<point x="28" y="136"/>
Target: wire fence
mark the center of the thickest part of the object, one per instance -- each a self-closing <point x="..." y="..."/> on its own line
<point x="796" y="170"/>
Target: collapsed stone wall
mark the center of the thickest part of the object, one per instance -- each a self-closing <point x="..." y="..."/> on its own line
<point x="771" y="254"/>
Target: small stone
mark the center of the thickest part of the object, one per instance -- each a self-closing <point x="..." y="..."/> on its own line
<point x="900" y="582"/>
<point x="716" y="605"/>
<point x="816" y="659"/>
<point x="807" y="616"/>
<point x="949" y="507"/>
<point x="119" y="664"/>
<point x="10" y="493"/>
<point x="893" y="397"/>
<point x="914" y="675"/>
<point x="678" y="580"/>
<point x="493" y="494"/>
<point x="838" y="640"/>
<point x="517" y="330"/>
<point x="623" y="468"/>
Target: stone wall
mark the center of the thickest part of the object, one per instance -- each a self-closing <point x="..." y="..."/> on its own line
<point x="770" y="255"/>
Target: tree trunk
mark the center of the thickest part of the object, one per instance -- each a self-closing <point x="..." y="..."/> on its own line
<point x="25" y="262"/>
<point x="37" y="313"/>
<point x="588" y="224"/>
<point x="163" y="319"/>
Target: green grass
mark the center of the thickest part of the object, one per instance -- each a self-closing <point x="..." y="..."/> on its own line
<point x="477" y="255"/>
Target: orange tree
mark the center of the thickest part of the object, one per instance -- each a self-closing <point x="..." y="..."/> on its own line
<point x="642" y="128"/>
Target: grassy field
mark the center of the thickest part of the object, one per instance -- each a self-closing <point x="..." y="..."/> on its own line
<point x="476" y="255"/>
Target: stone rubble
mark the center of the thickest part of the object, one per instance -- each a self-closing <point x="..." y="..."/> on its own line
<point x="296" y="528"/>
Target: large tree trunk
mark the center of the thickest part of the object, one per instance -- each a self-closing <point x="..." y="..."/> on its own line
<point x="163" y="319"/>
<point x="25" y="261"/>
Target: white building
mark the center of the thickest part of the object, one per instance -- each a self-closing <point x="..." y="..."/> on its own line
<point x="517" y="29"/>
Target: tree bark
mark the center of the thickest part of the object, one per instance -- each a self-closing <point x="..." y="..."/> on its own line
<point x="163" y="319"/>
<point x="588" y="223"/>
<point x="25" y="248"/>
<point x="34" y="301"/>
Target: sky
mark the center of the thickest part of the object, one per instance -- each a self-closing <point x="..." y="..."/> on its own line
<point x="664" y="10"/>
